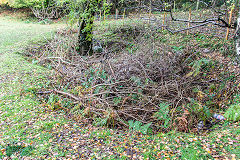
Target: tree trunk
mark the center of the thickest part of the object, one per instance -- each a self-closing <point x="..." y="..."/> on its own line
<point x="85" y="32"/>
<point x="84" y="45"/>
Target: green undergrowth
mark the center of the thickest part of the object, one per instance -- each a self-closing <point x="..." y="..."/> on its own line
<point x="29" y="130"/>
<point x="110" y="30"/>
<point x="23" y="119"/>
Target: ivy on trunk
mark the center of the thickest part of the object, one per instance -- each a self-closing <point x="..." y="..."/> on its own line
<point x="83" y="11"/>
<point x="85" y="24"/>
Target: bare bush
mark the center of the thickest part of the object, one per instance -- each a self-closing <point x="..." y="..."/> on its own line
<point x="47" y="12"/>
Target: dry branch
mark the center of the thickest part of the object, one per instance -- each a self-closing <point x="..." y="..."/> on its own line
<point x="69" y="95"/>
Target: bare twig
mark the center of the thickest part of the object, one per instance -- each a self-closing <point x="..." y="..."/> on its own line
<point x="60" y="92"/>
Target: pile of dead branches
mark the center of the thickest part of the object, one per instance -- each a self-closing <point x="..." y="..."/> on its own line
<point x="112" y="88"/>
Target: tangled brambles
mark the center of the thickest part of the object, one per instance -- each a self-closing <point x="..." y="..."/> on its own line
<point x="144" y="80"/>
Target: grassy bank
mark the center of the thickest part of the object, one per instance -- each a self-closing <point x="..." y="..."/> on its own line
<point x="24" y="125"/>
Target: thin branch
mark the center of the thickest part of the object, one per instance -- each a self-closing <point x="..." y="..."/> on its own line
<point x="200" y="25"/>
<point x="60" y="92"/>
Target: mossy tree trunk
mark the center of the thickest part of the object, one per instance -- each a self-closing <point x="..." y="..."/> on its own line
<point x="84" y="45"/>
<point x="85" y="31"/>
<point x="83" y="11"/>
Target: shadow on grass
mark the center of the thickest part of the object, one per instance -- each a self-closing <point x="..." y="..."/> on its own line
<point x="21" y="150"/>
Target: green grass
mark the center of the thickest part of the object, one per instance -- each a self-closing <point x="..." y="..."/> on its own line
<point x="27" y="129"/>
<point x="22" y="118"/>
<point x="17" y="34"/>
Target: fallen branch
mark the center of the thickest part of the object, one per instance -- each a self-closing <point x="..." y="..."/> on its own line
<point x="60" y="92"/>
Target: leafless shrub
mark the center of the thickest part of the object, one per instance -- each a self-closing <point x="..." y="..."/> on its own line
<point x="49" y="12"/>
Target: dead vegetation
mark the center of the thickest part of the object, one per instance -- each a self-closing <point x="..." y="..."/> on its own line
<point x="136" y="77"/>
